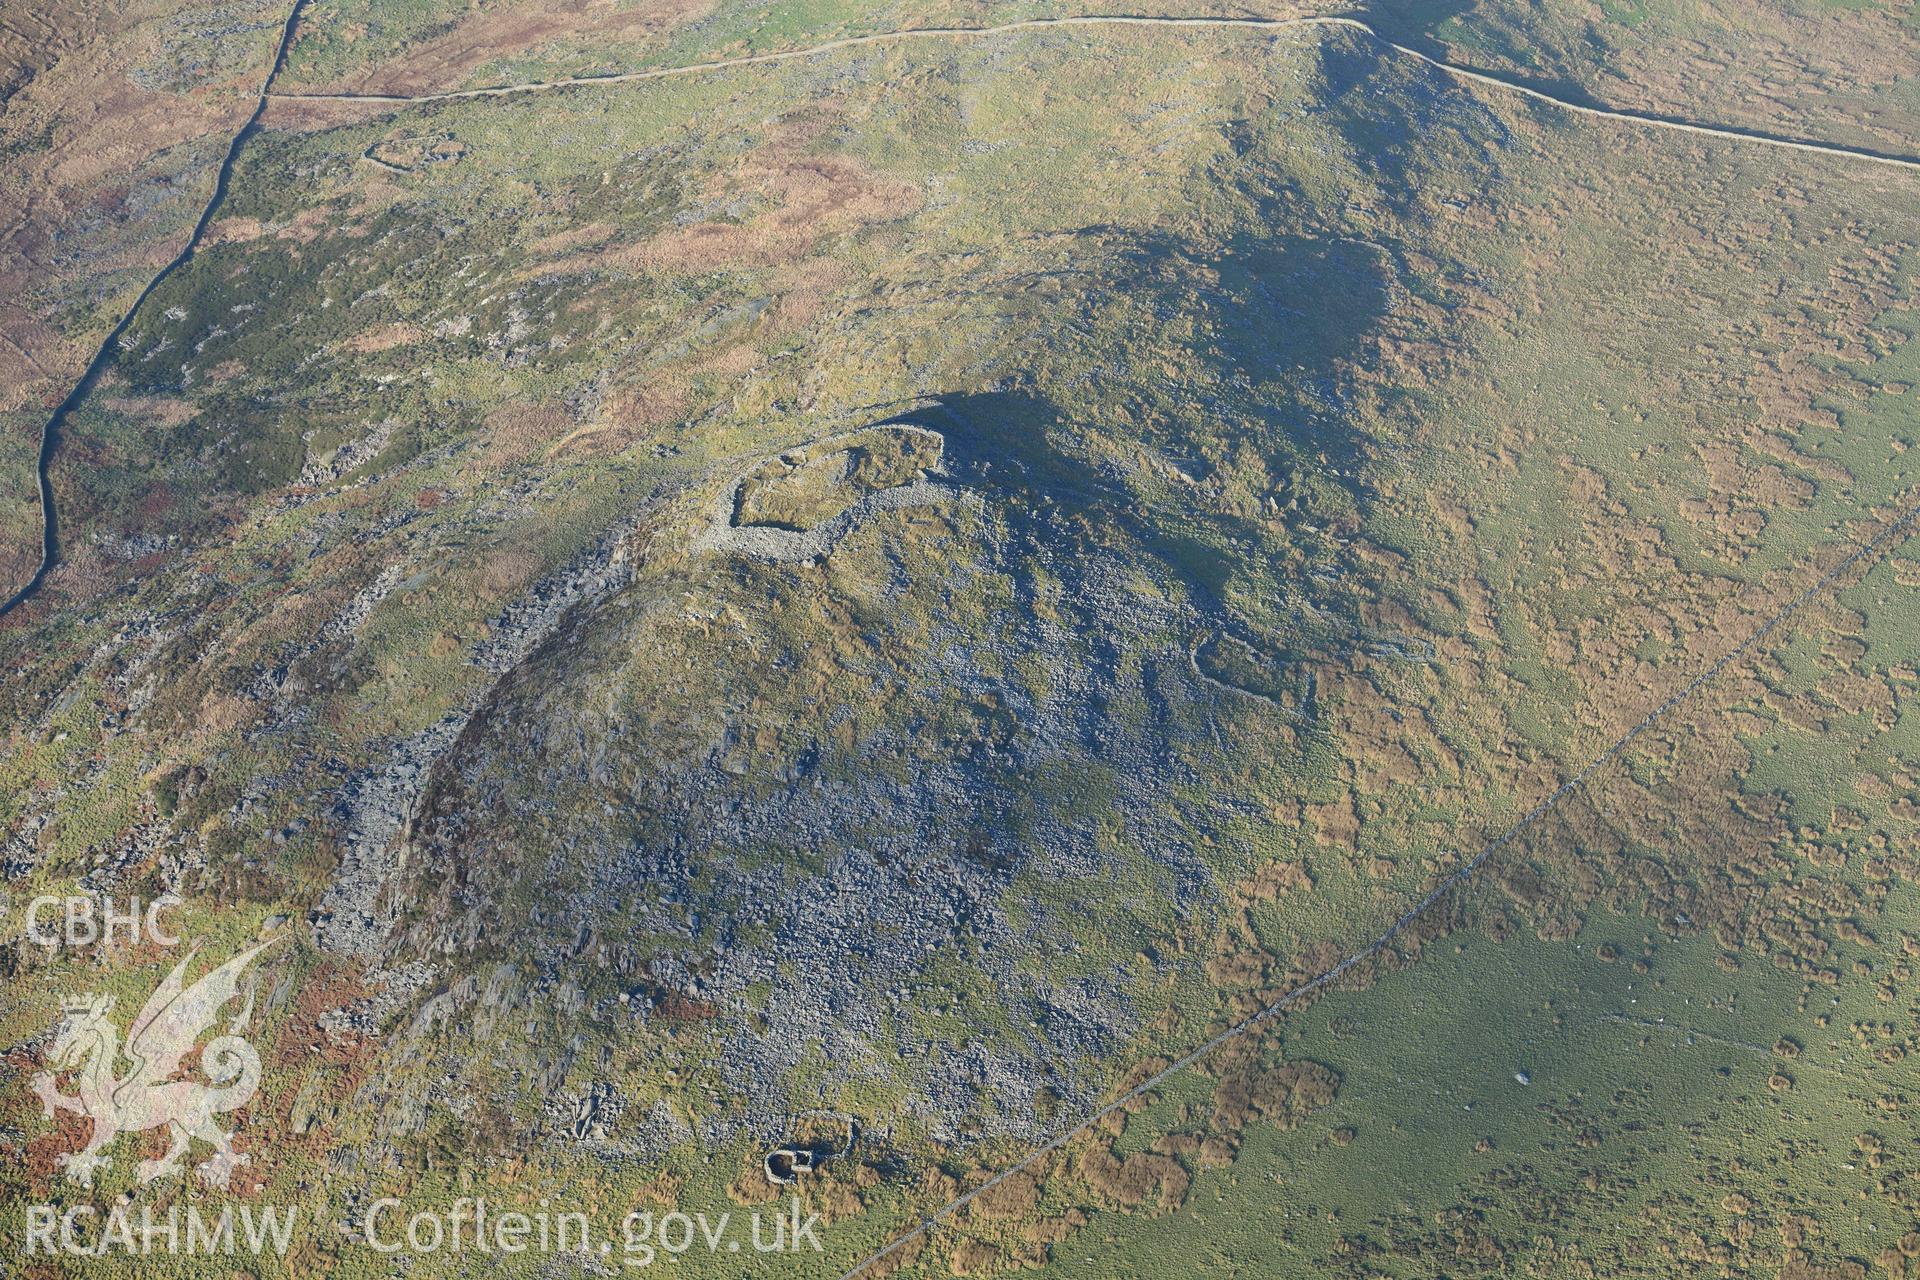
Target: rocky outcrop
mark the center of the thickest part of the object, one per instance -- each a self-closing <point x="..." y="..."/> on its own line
<point x="726" y="532"/>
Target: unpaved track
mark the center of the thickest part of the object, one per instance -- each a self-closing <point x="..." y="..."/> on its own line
<point x="1891" y="534"/>
<point x="50" y="434"/>
<point x="1126" y="20"/>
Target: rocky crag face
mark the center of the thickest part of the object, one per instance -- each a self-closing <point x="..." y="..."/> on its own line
<point x="803" y="628"/>
<point x="944" y="718"/>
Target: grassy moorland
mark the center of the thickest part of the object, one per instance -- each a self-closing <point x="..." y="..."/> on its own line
<point x="1836" y="69"/>
<point x="1333" y="460"/>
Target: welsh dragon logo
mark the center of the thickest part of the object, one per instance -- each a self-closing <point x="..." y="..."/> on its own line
<point x="146" y="1095"/>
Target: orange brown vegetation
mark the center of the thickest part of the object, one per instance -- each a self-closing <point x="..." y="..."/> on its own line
<point x="447" y="61"/>
<point x="1141" y="1179"/>
<point x="1273" y="880"/>
<point x="805" y="199"/>
<point x="1282" y="1094"/>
